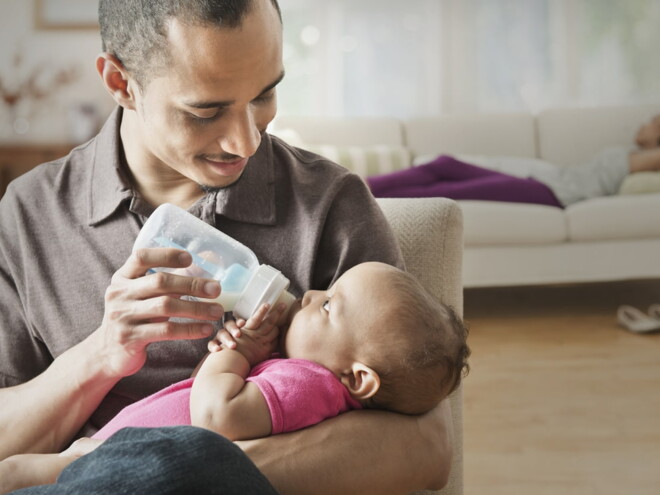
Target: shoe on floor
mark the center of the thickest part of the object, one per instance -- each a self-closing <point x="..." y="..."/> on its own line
<point x="637" y="321"/>
<point x="654" y="311"/>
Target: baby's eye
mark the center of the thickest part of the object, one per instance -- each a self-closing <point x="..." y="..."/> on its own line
<point x="326" y="305"/>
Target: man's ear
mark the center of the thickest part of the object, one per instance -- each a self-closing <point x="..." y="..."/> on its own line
<point x="116" y="80"/>
<point x="362" y="382"/>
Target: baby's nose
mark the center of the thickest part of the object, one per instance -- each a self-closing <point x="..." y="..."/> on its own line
<point x="309" y="296"/>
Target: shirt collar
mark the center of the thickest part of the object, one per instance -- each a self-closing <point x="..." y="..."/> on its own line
<point x="251" y="199"/>
<point x="108" y="188"/>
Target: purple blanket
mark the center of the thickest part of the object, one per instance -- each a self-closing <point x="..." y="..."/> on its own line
<point x="450" y="178"/>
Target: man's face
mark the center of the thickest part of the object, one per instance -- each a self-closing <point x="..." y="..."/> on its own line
<point x="203" y="117"/>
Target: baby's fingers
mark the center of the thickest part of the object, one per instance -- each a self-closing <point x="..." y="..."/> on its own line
<point x="214" y="345"/>
<point x="224" y="339"/>
<point x="234" y="327"/>
<point x="258" y="317"/>
<point x="273" y="319"/>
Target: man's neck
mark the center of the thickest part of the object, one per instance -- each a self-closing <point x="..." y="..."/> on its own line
<point x="154" y="181"/>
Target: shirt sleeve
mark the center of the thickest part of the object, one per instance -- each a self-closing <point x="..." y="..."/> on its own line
<point x="355" y="231"/>
<point x="300" y="393"/>
<point x="22" y="355"/>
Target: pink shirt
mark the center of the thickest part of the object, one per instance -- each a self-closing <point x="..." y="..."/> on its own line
<point x="299" y="393"/>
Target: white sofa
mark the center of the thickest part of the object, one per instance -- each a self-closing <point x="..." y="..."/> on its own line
<point x="602" y="239"/>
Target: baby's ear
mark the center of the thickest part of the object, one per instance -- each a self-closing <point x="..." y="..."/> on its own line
<point x="362" y="382"/>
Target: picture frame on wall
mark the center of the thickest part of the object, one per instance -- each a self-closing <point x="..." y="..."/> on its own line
<point x="66" y="14"/>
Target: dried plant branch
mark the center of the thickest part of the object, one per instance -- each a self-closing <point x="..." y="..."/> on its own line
<point x="33" y="87"/>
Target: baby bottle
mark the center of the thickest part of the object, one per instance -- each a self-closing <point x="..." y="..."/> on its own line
<point x="246" y="284"/>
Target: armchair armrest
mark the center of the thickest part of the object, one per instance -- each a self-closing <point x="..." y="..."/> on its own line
<point x="430" y="234"/>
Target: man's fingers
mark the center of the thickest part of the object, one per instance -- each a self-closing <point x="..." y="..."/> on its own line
<point x="171" y="330"/>
<point x="162" y="283"/>
<point x="142" y="260"/>
<point x="173" y="307"/>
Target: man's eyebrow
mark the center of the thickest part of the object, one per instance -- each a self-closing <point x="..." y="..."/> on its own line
<point x="227" y="103"/>
<point x="273" y="84"/>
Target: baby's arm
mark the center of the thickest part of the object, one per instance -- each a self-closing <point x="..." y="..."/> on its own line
<point x="221" y="400"/>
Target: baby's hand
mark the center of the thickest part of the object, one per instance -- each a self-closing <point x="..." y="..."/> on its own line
<point x="262" y="321"/>
<point x="256" y="338"/>
<point x="232" y="331"/>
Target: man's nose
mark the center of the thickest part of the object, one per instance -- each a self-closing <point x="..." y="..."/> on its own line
<point x="241" y="136"/>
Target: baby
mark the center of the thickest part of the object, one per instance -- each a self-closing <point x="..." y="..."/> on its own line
<point x="374" y="339"/>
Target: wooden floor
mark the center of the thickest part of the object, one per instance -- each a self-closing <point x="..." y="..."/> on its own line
<point x="560" y="399"/>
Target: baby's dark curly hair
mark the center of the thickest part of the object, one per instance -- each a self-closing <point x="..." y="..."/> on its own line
<point x="429" y="359"/>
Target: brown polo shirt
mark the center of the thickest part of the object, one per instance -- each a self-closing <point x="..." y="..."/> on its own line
<point x="68" y="225"/>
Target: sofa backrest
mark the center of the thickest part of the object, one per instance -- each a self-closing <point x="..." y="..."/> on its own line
<point x="563" y="136"/>
<point x="506" y="134"/>
<point x="343" y="131"/>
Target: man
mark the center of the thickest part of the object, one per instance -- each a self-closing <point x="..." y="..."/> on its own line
<point x="195" y="85"/>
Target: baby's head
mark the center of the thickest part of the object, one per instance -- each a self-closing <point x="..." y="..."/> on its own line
<point x="390" y="342"/>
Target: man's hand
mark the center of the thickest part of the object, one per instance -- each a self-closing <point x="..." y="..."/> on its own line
<point x="138" y="308"/>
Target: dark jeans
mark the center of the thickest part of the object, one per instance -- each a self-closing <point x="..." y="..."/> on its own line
<point x="163" y="461"/>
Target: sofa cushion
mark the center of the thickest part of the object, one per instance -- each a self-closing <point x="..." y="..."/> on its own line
<point x="498" y="223"/>
<point x="614" y="217"/>
<point x="641" y="183"/>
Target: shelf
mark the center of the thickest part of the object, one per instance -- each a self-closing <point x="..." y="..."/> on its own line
<point x="15" y="160"/>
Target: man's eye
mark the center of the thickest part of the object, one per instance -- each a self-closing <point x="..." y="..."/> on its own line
<point x="326" y="305"/>
<point x="203" y="120"/>
<point x="265" y="98"/>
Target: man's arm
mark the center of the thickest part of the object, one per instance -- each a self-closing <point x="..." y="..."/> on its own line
<point x="360" y="452"/>
<point x="43" y="414"/>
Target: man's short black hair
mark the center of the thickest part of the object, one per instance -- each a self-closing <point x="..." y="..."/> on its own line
<point x="135" y="32"/>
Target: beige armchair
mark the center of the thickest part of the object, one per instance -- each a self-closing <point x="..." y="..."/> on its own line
<point x="430" y="233"/>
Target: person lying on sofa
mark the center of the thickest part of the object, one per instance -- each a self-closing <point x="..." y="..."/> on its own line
<point x="375" y="339"/>
<point x="539" y="182"/>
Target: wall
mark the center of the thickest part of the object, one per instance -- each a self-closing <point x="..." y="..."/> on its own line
<point x="392" y="58"/>
<point x="47" y="51"/>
